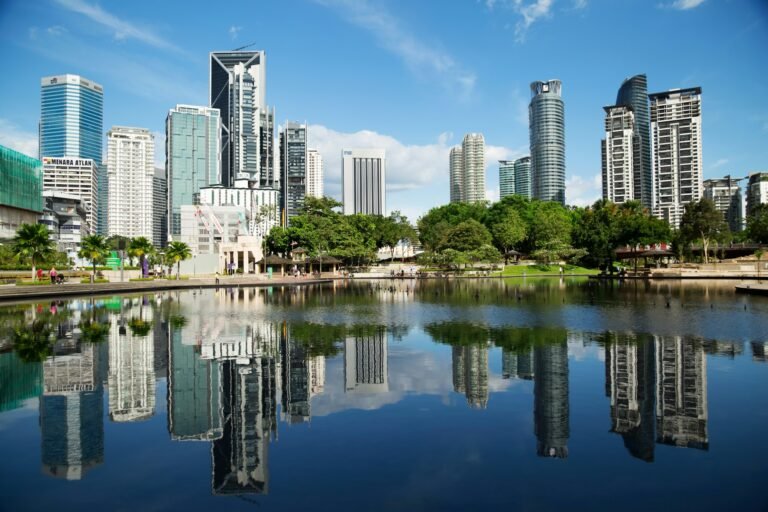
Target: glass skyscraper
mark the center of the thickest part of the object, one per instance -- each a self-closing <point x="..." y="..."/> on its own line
<point x="293" y="168"/>
<point x="238" y="90"/>
<point x="547" y="129"/>
<point x="633" y="93"/>
<point x="193" y="157"/>
<point x="506" y="178"/>
<point x="71" y="125"/>
<point x="523" y="177"/>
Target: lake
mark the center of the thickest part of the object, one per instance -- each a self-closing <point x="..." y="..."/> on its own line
<point x="519" y="394"/>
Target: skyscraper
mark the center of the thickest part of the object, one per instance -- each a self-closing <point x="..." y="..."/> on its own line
<point x="131" y="378"/>
<point x="456" y="169"/>
<point x="193" y="157"/>
<point x="467" y="170"/>
<point x="71" y="125"/>
<point x="633" y="94"/>
<point x="506" y="178"/>
<point x="523" y="177"/>
<point x="363" y="188"/>
<point x="314" y="174"/>
<point x="621" y="156"/>
<point x="131" y="170"/>
<point x="470" y="373"/>
<point x="293" y="168"/>
<point x="677" y="166"/>
<point x="21" y="191"/>
<point x="547" y="129"/>
<point x="725" y="193"/>
<point x="238" y="90"/>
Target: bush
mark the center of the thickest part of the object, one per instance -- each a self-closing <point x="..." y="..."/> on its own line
<point x="32" y="283"/>
<point x="98" y="280"/>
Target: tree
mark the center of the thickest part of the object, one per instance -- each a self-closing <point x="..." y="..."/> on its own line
<point x="486" y="253"/>
<point x="757" y="225"/>
<point x="596" y="230"/>
<point x="434" y="225"/>
<point x="141" y="247"/>
<point x="176" y="252"/>
<point x="32" y="343"/>
<point x="702" y="221"/>
<point x="550" y="231"/>
<point x="466" y="236"/>
<point x="508" y="232"/>
<point x="33" y="241"/>
<point x="94" y="248"/>
<point x="636" y="227"/>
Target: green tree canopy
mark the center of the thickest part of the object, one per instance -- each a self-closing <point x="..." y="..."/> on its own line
<point x="466" y="236"/>
<point x="176" y="252"/>
<point x="509" y="231"/>
<point x="140" y="247"/>
<point x="701" y="221"/>
<point x="33" y="242"/>
<point x="95" y="249"/>
<point x="757" y="224"/>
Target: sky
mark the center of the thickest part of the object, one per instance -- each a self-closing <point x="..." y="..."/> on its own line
<point x="412" y="77"/>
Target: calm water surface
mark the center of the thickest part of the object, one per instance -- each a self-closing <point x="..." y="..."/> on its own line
<point x="476" y="395"/>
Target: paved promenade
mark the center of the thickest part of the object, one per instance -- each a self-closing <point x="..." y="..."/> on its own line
<point x="17" y="293"/>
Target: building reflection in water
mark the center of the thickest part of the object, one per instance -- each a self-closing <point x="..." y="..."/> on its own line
<point x="550" y="400"/>
<point x="365" y="362"/>
<point x="71" y="406"/>
<point x="759" y="351"/>
<point x="630" y="378"/>
<point x="681" y="392"/>
<point x="131" y="380"/>
<point x="470" y="373"/>
<point x="658" y="391"/>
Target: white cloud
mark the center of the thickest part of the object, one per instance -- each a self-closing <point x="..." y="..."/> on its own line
<point x="409" y="167"/>
<point x="719" y="163"/>
<point x="122" y="29"/>
<point x="420" y="58"/>
<point x="583" y="192"/>
<point x="56" y="30"/>
<point x="531" y="13"/>
<point x="11" y="136"/>
<point x="234" y="31"/>
<point x="684" y="5"/>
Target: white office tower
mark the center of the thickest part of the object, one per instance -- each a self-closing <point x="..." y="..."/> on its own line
<point x="677" y="160"/>
<point x="314" y="174"/>
<point x="78" y="177"/>
<point x="130" y="172"/>
<point x="363" y="174"/>
<point x="456" y="165"/>
<point x="622" y="156"/>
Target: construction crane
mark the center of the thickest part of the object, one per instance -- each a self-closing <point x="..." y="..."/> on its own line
<point x="244" y="47"/>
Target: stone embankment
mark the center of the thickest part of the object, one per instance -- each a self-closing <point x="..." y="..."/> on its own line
<point x="17" y="293"/>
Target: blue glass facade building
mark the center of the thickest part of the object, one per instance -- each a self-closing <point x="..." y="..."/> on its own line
<point x="523" y="177"/>
<point x="547" y="130"/>
<point x="634" y="93"/>
<point x="193" y="157"/>
<point x="72" y="124"/>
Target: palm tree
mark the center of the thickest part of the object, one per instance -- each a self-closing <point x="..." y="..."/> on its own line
<point x="33" y="241"/>
<point x="176" y="252"/>
<point x="94" y="248"/>
<point x="141" y="247"/>
<point x="32" y="342"/>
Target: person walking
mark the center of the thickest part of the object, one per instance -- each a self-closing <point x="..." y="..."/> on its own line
<point x="39" y="274"/>
<point x="52" y="274"/>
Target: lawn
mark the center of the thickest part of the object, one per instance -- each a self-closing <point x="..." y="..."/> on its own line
<point x="536" y="270"/>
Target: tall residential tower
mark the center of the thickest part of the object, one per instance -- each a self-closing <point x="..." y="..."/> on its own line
<point x="677" y="160"/>
<point x="314" y="174"/>
<point x="633" y="94"/>
<point x="293" y="168"/>
<point x="547" y="130"/>
<point x="467" y="170"/>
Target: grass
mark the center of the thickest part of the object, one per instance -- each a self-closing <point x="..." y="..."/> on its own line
<point x="99" y="280"/>
<point x="33" y="283"/>
<point x="534" y="270"/>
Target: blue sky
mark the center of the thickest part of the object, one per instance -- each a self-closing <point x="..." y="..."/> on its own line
<point x="410" y="76"/>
